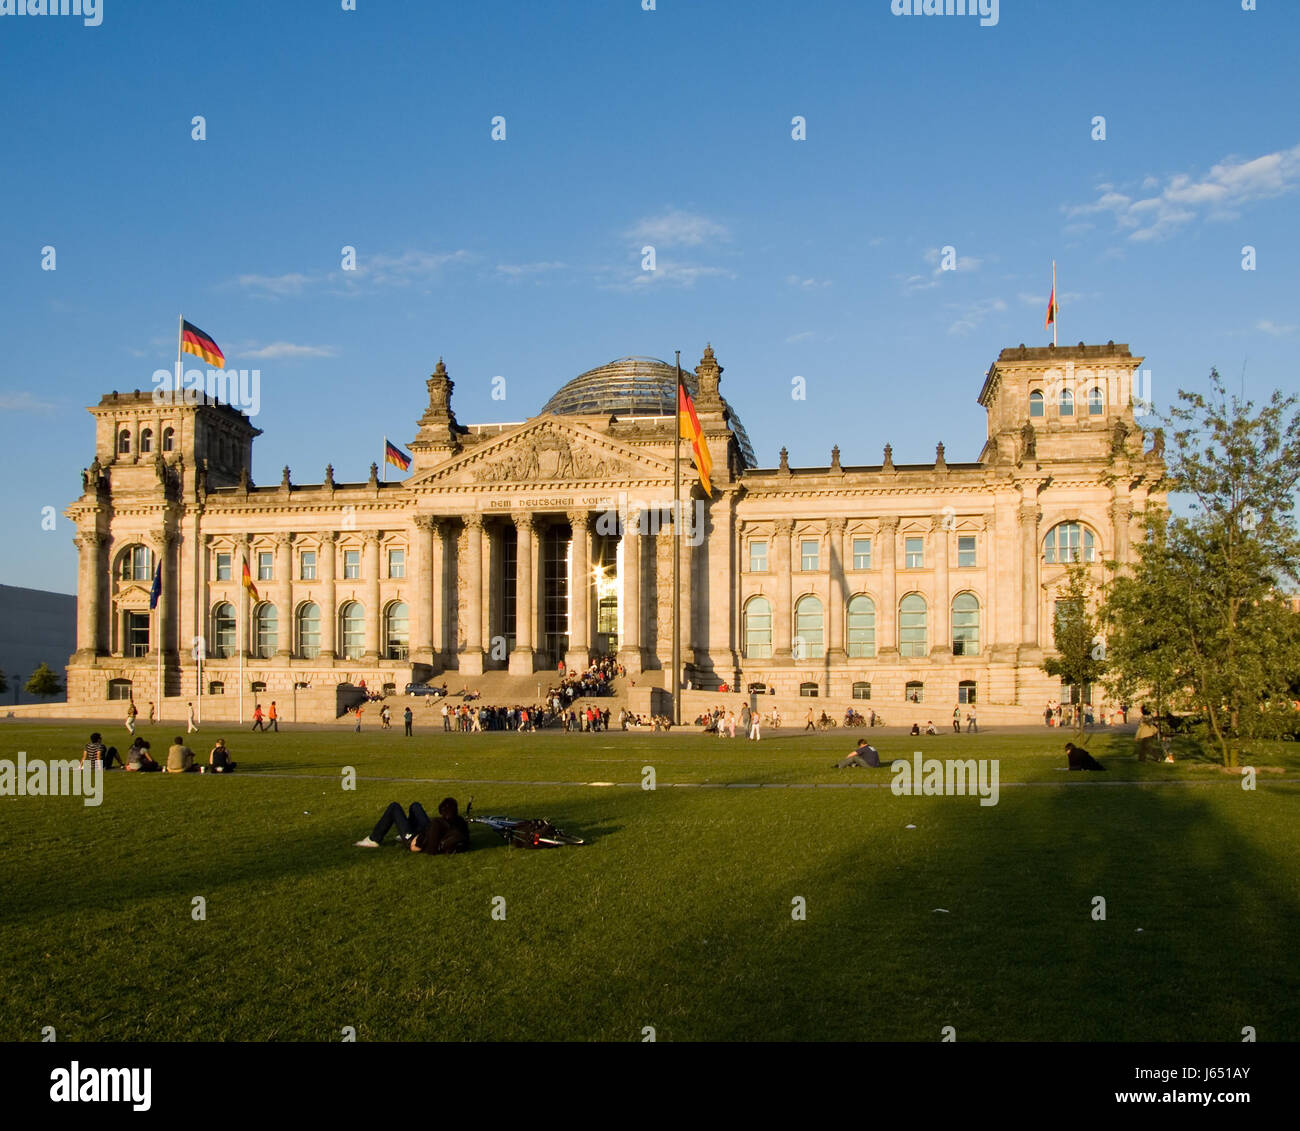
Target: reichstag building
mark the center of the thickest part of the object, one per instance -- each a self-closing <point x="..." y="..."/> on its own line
<point x="524" y="546"/>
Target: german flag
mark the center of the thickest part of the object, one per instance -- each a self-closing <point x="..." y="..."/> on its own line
<point x="690" y="430"/>
<point x="247" y="580"/>
<point x="195" y="341"/>
<point x="395" y="456"/>
<point x="1051" y="308"/>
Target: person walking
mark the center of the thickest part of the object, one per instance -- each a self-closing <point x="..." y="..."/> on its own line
<point x="407" y="718"/>
<point x="257" y="717"/>
<point x="191" y="726"/>
<point x="755" y="720"/>
<point x="810" y="723"/>
<point x="274" y="716"/>
<point x="956" y="720"/>
<point x="151" y="710"/>
<point x="972" y="724"/>
<point x="131" y="713"/>
<point x="385" y="718"/>
<point x="357" y="713"/>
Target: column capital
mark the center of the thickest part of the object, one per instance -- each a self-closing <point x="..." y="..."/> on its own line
<point x="328" y="537"/>
<point x="284" y="539"/>
<point x="473" y="521"/>
<point x="1029" y="515"/>
<point x="836" y="525"/>
<point x="888" y="523"/>
<point x="784" y="527"/>
<point x="428" y="522"/>
<point x="943" y="523"/>
<point x="1121" y="510"/>
<point x="524" y="520"/>
<point x="579" y="518"/>
<point x="372" y="537"/>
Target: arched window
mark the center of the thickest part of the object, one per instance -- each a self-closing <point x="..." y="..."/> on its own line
<point x="758" y="629"/>
<point x="1035" y="403"/>
<point x="257" y="687"/>
<point x="1069" y="542"/>
<point x="808" y="643"/>
<point x="353" y="636"/>
<point x="1096" y="401"/>
<point x="169" y="439"/>
<point x="862" y="690"/>
<point x="119" y="689"/>
<point x="223" y="631"/>
<point x="914" y="691"/>
<point x="965" y="625"/>
<point x="966" y="691"/>
<point x="266" y="626"/>
<point x="862" y="626"/>
<point x="146" y="441"/>
<point x="309" y="630"/>
<point x="137" y="563"/>
<point x="913" y="633"/>
<point x="809" y="690"/>
<point x="397" y="638"/>
<point x="124" y="443"/>
<point x="1067" y="402"/>
<point x="216" y="687"/>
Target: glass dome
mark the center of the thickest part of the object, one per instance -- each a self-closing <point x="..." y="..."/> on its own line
<point x="636" y="386"/>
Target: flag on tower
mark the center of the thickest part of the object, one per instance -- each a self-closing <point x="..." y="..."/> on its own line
<point x="1051" y="308"/>
<point x="195" y="341"/>
<point x="155" y="590"/>
<point x="394" y="455"/>
<point x="690" y="430"/>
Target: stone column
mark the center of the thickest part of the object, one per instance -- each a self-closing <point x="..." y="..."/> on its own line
<point x="1121" y="515"/>
<point x="1029" y="555"/>
<point x="942" y="617"/>
<point x="159" y="628"/>
<point x="374" y="614"/>
<point x="579" y="653"/>
<point x="629" y="644"/>
<point x="329" y="606"/>
<point x="887" y="614"/>
<point x="491" y="563"/>
<point x="422" y="645"/>
<point x="522" y="656"/>
<point x="90" y="581"/>
<point x="437" y="584"/>
<point x="471" y="658"/>
<point x="284" y="599"/>
<point x="663" y="555"/>
<point x="835" y="598"/>
<point x="782" y="610"/>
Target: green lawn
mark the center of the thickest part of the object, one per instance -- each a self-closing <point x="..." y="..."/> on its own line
<point x="676" y="915"/>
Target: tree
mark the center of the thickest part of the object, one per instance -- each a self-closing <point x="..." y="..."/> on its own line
<point x="44" y="683"/>
<point x="1200" y="621"/>
<point x="4" y="683"/>
<point x="1080" y="659"/>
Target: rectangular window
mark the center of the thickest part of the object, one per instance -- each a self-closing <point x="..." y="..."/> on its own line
<point x="758" y="557"/>
<point x="307" y="565"/>
<point x="809" y="554"/>
<point x="223" y="567"/>
<point x="966" y="551"/>
<point x="915" y="553"/>
<point x="351" y="565"/>
<point x="264" y="566"/>
<point x="137" y="634"/>
<point x="861" y="553"/>
<point x="396" y="563"/>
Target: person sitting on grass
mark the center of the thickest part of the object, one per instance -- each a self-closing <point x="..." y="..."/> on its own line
<point x="865" y="756"/>
<point x="1080" y="759"/>
<point x="94" y="749"/>
<point x="442" y="836"/>
<point x="930" y="728"/>
<point x="916" y="729"/>
<point x="219" y="759"/>
<point x="139" y="759"/>
<point x="180" y="758"/>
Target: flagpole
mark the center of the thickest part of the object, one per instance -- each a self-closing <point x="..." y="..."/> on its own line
<point x="157" y="618"/>
<point x="385" y="459"/>
<point x="1056" y="305"/>
<point x="180" y="339"/>
<point x="678" y="533"/>
<point x="240" y="644"/>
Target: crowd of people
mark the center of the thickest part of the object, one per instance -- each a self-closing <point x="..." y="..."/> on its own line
<point x="1057" y="714"/>
<point x="139" y="757"/>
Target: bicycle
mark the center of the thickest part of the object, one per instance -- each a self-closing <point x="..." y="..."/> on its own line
<point x="524" y="832"/>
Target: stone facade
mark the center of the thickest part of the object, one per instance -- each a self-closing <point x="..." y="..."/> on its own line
<point x="522" y="546"/>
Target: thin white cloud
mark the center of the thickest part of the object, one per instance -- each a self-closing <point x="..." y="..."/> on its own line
<point x="677" y="228"/>
<point x="24" y="402"/>
<point x="1181" y="199"/>
<point x="1276" y="329"/>
<point x="275" y="286"/>
<point x="285" y="351"/>
<point x="804" y="336"/>
<point x="972" y="314"/>
<point x="522" y="270"/>
<point x="808" y="284"/>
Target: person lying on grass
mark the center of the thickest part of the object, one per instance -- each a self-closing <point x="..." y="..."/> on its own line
<point x="1080" y="759"/>
<point x="866" y="756"/>
<point x="440" y="836"/>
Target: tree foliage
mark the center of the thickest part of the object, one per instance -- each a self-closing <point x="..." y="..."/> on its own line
<point x="1200" y="622"/>
<point x="1079" y="659"/>
<point x="44" y="682"/>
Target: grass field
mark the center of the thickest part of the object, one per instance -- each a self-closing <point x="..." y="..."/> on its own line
<point x="678" y="912"/>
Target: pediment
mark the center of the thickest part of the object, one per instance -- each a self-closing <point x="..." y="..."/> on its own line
<point x="547" y="452"/>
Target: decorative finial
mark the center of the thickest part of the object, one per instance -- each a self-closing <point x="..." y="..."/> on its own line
<point x="889" y="457"/>
<point x="374" y="475"/>
<point x="785" y="460"/>
<point x="284" y="477"/>
<point x="938" y="455"/>
<point x="329" y="475"/>
<point x="835" y="458"/>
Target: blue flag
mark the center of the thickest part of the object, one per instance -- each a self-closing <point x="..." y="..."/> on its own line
<point x="156" y="591"/>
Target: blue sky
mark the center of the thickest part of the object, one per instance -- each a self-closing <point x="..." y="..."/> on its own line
<point x="522" y="258"/>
